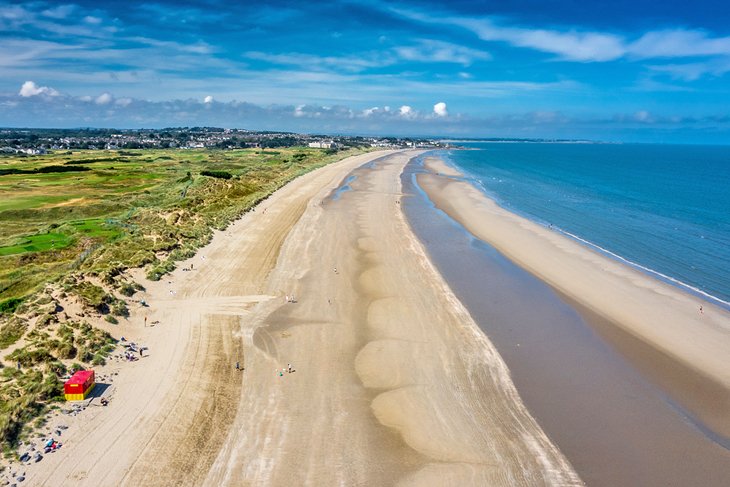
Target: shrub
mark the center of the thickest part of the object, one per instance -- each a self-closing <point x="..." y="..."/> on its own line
<point x="120" y="309"/>
<point x="111" y="319"/>
<point x="45" y="320"/>
<point x="216" y="174"/>
<point x="8" y="306"/>
<point x="127" y="289"/>
<point x="66" y="350"/>
<point x="94" y="297"/>
<point x="11" y="332"/>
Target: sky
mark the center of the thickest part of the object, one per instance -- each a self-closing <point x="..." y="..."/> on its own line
<point x="631" y="71"/>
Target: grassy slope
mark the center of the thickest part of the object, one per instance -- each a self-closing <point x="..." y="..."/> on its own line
<point x="139" y="207"/>
<point x="149" y="209"/>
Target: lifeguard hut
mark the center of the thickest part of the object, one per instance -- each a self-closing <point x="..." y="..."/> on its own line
<point x="79" y="385"/>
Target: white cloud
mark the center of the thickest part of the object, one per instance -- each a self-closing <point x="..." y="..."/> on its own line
<point x="123" y="102"/>
<point x="313" y="62"/>
<point x="208" y="99"/>
<point x="423" y="51"/>
<point x="103" y="99"/>
<point x="572" y="45"/>
<point x="440" y="109"/>
<point x="92" y="20"/>
<point x="406" y="112"/>
<point x="679" y="43"/>
<point x="29" y="88"/>
<point x="694" y="71"/>
<point x="369" y="111"/>
<point x="428" y="50"/>
<point x="643" y="116"/>
<point x="60" y="12"/>
<point x="585" y="45"/>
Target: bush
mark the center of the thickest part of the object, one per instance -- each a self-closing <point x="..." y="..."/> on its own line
<point x="94" y="296"/>
<point x="111" y="319"/>
<point x="45" y="320"/>
<point x="28" y="356"/>
<point x="9" y="306"/>
<point x="216" y="174"/>
<point x="66" y="350"/>
<point x="11" y="332"/>
<point x="127" y="289"/>
<point x="120" y="309"/>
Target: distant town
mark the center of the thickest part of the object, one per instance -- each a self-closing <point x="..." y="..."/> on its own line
<point x="41" y="141"/>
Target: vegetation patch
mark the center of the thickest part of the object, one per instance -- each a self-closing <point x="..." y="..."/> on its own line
<point x="9" y="305"/>
<point x="38" y="243"/>
<point x="27" y="391"/>
<point x="11" y="331"/>
<point x="217" y="174"/>
<point x="79" y="221"/>
<point x="42" y="170"/>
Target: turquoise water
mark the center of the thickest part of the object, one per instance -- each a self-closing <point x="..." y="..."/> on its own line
<point x="662" y="208"/>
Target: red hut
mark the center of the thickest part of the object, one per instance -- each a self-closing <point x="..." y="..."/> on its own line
<point x="79" y="385"/>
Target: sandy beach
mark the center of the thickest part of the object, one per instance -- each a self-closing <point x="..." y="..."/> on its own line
<point x="657" y="326"/>
<point x="392" y="382"/>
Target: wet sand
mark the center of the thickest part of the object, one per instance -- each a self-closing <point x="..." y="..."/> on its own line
<point x="612" y="421"/>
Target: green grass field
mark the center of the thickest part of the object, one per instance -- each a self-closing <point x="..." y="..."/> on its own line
<point x="127" y="207"/>
<point x="61" y="224"/>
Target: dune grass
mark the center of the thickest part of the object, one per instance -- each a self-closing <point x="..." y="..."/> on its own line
<point x="131" y="208"/>
<point x="76" y="231"/>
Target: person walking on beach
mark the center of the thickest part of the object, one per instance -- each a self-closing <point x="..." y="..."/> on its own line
<point x="238" y="366"/>
<point x="701" y="310"/>
<point x="145" y="322"/>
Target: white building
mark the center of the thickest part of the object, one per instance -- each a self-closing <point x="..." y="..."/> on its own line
<point x="324" y="144"/>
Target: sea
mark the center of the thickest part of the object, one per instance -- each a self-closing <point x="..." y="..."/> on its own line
<point x="664" y="209"/>
<point x="660" y="208"/>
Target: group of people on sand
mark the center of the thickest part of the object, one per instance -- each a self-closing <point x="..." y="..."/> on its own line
<point x="289" y="369"/>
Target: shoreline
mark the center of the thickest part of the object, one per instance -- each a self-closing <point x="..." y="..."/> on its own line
<point x="630" y="304"/>
<point x="439" y="165"/>
<point x="393" y="377"/>
<point x="391" y="381"/>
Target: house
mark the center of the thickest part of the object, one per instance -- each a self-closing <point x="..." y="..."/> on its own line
<point x="323" y="144"/>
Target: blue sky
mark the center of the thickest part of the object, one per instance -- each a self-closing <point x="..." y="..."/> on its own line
<point x="622" y="70"/>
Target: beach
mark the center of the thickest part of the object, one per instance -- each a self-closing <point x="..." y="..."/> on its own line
<point x="391" y="382"/>
<point x="661" y="328"/>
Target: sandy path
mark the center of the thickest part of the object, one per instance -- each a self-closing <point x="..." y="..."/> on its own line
<point x="394" y="383"/>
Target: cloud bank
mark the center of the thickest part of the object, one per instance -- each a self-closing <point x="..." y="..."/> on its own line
<point x="105" y="110"/>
